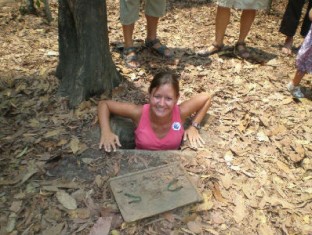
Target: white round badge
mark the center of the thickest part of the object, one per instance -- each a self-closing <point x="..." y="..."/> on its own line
<point x="176" y="126"/>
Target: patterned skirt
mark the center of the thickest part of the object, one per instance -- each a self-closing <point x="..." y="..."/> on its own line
<point x="304" y="57"/>
<point x="245" y="4"/>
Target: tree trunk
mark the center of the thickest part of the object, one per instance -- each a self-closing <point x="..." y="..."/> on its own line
<point x="85" y="64"/>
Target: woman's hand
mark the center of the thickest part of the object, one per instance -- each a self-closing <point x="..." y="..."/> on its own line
<point x="109" y="141"/>
<point x="194" y="138"/>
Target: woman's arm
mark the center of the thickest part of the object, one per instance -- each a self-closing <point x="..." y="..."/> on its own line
<point x="106" y="107"/>
<point x="310" y="14"/>
<point x="199" y="105"/>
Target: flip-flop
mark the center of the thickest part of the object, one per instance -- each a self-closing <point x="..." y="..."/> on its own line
<point x="160" y="50"/>
<point x="130" y="57"/>
<point x="215" y="49"/>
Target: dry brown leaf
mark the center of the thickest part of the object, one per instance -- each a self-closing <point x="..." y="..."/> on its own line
<point x="280" y="129"/>
<point x="53" y="214"/>
<point x="261" y="136"/>
<point x="265" y="229"/>
<point x="226" y="181"/>
<point x="116" y="168"/>
<point x="298" y="148"/>
<point x="217" y="217"/>
<point x="281" y="165"/>
<point x="274" y="201"/>
<point x="217" y="193"/>
<point x="102" y="226"/>
<point x="55" y="229"/>
<point x="169" y="216"/>
<point x="66" y="200"/>
<point x="212" y="231"/>
<point x="287" y="101"/>
<point x="264" y="120"/>
<point x="195" y="226"/>
<point x="228" y="157"/>
<point x="62" y="142"/>
<point x="248" y="191"/>
<point x="53" y="133"/>
<point x="295" y="157"/>
<point x="16" y="206"/>
<point x="81" y="213"/>
<point x="74" y="144"/>
<point x="240" y="209"/>
<point x="207" y="203"/>
<point x="32" y="169"/>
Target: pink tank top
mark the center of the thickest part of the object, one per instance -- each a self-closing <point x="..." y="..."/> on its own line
<point x="145" y="137"/>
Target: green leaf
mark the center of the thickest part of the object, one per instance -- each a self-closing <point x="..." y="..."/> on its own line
<point x="22" y="153"/>
<point x="38" y="3"/>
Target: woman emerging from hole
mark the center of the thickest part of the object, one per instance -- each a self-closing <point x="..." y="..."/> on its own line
<point x="159" y="124"/>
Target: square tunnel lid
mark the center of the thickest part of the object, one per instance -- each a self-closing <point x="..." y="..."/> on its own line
<point x="153" y="191"/>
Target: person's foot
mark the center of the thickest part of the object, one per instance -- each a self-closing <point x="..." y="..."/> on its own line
<point x="286" y="49"/>
<point x="295" y="90"/>
<point x="212" y="49"/>
<point x="130" y="57"/>
<point x="240" y="50"/>
<point x="160" y="49"/>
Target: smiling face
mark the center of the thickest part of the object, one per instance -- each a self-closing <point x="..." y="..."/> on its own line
<point x="162" y="100"/>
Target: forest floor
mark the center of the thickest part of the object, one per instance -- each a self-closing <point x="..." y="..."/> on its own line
<point x="255" y="172"/>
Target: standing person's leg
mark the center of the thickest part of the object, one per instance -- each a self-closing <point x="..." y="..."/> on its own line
<point x="128" y="35"/>
<point x="293" y="86"/>
<point x="290" y="23"/>
<point x="246" y="20"/>
<point x="154" y="9"/>
<point x="306" y="21"/>
<point x="151" y="27"/>
<point x="129" y="13"/>
<point x="303" y="64"/>
<point x="222" y="21"/>
<point x="297" y="78"/>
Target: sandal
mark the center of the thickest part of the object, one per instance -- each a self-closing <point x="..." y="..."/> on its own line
<point x="241" y="51"/>
<point x="130" y="57"/>
<point x="214" y="48"/>
<point x="156" y="47"/>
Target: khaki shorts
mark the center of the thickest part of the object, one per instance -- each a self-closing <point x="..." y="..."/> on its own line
<point x="129" y="10"/>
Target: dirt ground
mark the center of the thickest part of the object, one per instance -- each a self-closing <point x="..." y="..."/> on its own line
<point x="254" y="172"/>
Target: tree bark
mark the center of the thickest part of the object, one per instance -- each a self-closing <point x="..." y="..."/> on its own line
<point x="85" y="64"/>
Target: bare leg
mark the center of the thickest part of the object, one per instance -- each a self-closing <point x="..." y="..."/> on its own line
<point x="128" y="33"/>
<point x="151" y="24"/>
<point x="129" y="56"/>
<point x="297" y="78"/>
<point x="222" y="20"/>
<point x="151" y="28"/>
<point x="247" y="18"/>
<point x="293" y="86"/>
